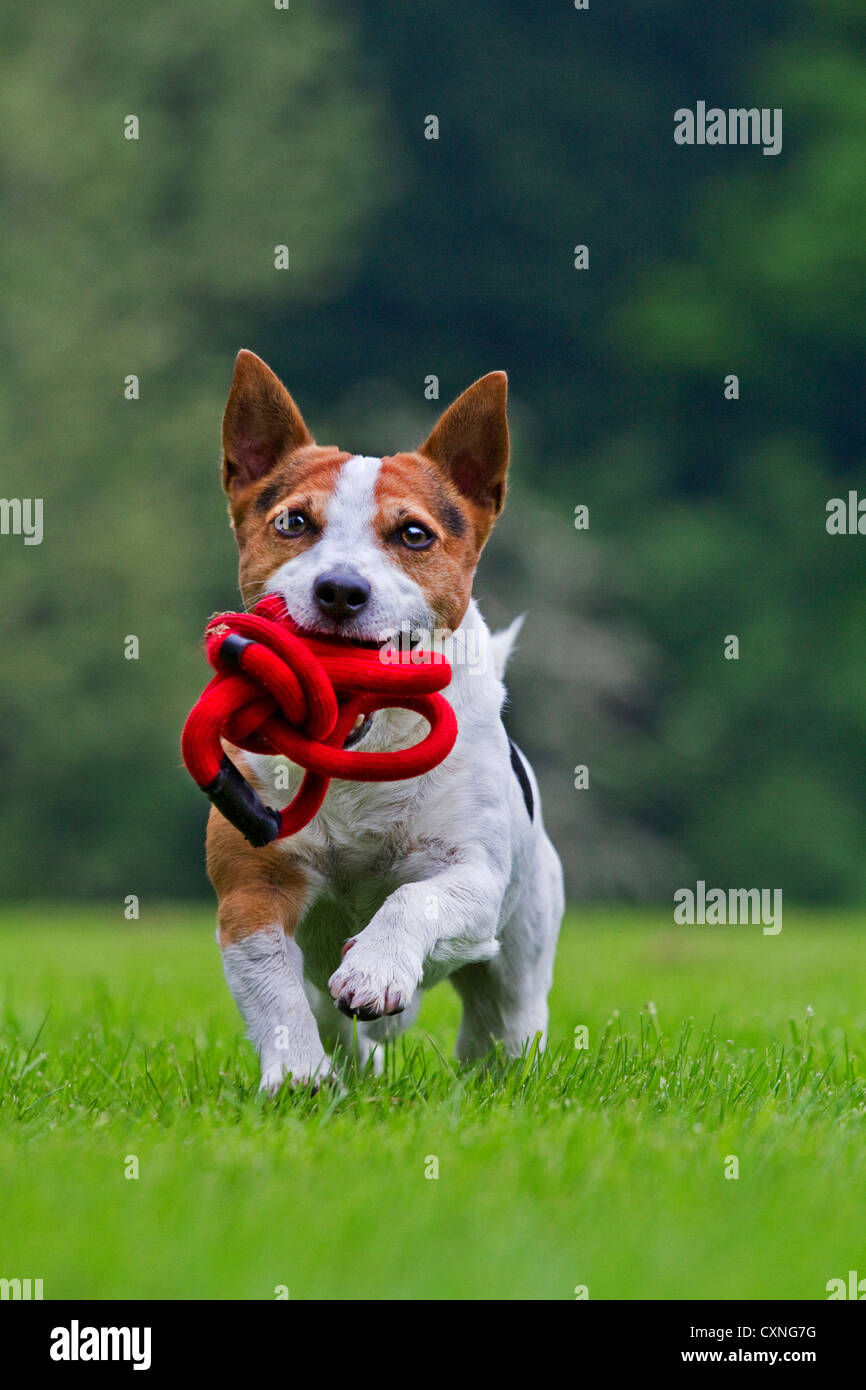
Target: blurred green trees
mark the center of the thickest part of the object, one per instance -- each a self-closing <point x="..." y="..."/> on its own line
<point x="155" y="258"/>
<point x="410" y="257"/>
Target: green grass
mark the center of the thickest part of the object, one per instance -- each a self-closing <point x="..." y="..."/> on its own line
<point x="601" y="1167"/>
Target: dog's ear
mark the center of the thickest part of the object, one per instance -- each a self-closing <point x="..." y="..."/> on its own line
<point x="470" y="442"/>
<point x="261" y="423"/>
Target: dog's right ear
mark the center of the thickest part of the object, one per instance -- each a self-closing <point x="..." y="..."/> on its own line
<point x="260" y="425"/>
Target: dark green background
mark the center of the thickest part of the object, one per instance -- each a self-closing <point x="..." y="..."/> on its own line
<point x="453" y="257"/>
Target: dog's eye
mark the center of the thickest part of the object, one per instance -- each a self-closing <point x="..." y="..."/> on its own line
<point x="291" y="524"/>
<point x="414" y="535"/>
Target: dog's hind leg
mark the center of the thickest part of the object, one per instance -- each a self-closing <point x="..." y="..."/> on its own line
<point x="505" y="999"/>
<point x="498" y="1008"/>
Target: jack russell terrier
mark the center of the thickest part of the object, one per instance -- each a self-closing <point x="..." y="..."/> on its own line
<point x="393" y="885"/>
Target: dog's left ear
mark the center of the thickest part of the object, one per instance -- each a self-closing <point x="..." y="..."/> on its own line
<point x="470" y="443"/>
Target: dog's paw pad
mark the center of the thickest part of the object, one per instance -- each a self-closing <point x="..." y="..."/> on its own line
<point x="364" y="994"/>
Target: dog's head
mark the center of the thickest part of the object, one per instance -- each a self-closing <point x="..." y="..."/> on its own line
<point x="360" y="547"/>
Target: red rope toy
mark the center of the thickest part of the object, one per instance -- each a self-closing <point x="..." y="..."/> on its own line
<point x="277" y="690"/>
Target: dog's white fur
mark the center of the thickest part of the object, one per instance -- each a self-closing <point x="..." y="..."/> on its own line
<point x="441" y="875"/>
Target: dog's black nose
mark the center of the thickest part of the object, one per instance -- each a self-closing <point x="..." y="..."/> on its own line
<point x="341" y="593"/>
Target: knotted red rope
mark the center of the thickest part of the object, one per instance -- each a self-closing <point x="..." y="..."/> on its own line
<point x="277" y="690"/>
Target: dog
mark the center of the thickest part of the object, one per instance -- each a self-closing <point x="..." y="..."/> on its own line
<point x="332" y="934"/>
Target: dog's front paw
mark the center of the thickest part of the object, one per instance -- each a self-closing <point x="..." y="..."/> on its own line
<point x="303" y="1072"/>
<point x="372" y="982"/>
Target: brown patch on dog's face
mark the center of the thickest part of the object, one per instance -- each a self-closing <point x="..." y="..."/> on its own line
<point x="412" y="491"/>
<point x="455" y="485"/>
<point x="271" y="465"/>
<point x="301" y="483"/>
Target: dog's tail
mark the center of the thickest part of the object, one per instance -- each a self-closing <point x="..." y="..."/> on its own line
<point x="502" y="644"/>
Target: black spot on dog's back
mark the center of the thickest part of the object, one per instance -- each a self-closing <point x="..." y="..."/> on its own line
<point x="522" y="776"/>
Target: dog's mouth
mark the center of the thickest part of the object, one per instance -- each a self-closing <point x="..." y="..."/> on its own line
<point x="364" y="642"/>
<point x="344" y="639"/>
<point x="339" y="637"/>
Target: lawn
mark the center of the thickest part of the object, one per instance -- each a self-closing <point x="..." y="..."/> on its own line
<point x="601" y="1166"/>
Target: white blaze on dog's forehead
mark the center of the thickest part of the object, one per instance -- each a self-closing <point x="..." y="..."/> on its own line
<point x="352" y="505"/>
<point x="349" y="539"/>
